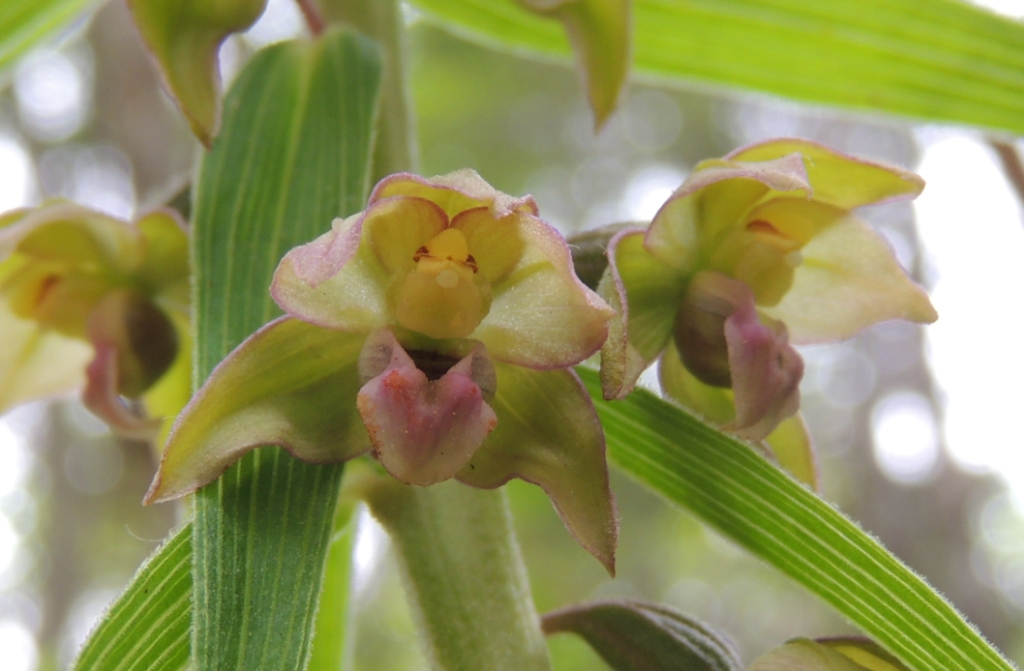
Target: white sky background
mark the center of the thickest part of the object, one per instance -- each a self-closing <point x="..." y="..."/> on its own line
<point x="972" y="229"/>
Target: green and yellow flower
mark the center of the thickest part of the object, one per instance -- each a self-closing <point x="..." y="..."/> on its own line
<point x="755" y="251"/>
<point x="95" y="303"/>
<point x="435" y="330"/>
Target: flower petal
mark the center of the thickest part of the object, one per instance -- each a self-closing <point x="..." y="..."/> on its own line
<point x="165" y="266"/>
<point x="454" y="193"/>
<point x="290" y="384"/>
<point x="646" y="295"/>
<point x="541" y="315"/>
<point x="712" y="200"/>
<point x="423" y="431"/>
<point x="338" y="281"/>
<point x="37" y="363"/>
<point x="765" y="371"/>
<point x="72" y="234"/>
<point x="101" y="397"/>
<point x="849" y="280"/>
<point x="497" y="245"/>
<point x="839" y="179"/>
<point x="548" y="434"/>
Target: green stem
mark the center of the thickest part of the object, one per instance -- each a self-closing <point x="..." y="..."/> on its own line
<point x="395" y="145"/>
<point x="464" y="575"/>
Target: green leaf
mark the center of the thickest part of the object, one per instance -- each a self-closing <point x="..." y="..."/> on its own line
<point x="147" y="628"/>
<point x="292" y="154"/>
<point x="941" y="60"/>
<point x="634" y="636"/>
<point x="758" y="506"/>
<point x="25" y="22"/>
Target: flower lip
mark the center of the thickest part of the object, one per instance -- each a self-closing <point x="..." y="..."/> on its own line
<point x="423" y="431"/>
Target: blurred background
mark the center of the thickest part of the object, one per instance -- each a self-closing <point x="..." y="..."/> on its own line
<point x="914" y="427"/>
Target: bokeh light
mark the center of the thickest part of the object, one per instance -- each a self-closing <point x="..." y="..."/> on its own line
<point x="971" y="227"/>
<point x="905" y="436"/>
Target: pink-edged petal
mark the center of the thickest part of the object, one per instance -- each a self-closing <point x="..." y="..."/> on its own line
<point x="765" y="370"/>
<point x="838" y="179"/>
<point x="101" y="397"/>
<point x="541" y="315"/>
<point x="37" y="363"/>
<point x="548" y="433"/>
<point x="290" y="384"/>
<point x="336" y="281"/>
<point x="713" y="200"/>
<point x="423" y="431"/>
<point x="455" y="192"/>
<point x="645" y="295"/>
<point x="849" y="279"/>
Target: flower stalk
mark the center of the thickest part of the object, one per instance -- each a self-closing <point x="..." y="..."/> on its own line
<point x="464" y="575"/>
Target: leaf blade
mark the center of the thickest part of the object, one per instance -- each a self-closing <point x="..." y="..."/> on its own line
<point x="942" y="60"/>
<point x="148" y="627"/>
<point x="293" y="153"/>
<point x="23" y="23"/>
<point x="758" y="506"/>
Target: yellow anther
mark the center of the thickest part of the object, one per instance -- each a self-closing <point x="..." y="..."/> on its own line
<point x="446" y="257"/>
<point x="450" y="245"/>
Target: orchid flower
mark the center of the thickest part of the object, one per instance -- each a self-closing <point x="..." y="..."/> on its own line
<point x="754" y="252"/>
<point x="95" y="303"/>
<point x="434" y="330"/>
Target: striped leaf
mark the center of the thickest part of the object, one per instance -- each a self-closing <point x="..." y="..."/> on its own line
<point x="148" y="627"/>
<point x="293" y="153"/>
<point x="23" y="23"/>
<point x="940" y="60"/>
<point x="740" y="493"/>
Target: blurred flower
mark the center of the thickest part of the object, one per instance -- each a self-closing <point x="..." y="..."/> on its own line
<point x="752" y="250"/>
<point x="436" y="328"/>
<point x="93" y="302"/>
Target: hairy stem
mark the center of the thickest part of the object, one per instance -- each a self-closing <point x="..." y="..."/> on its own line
<point x="464" y="576"/>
